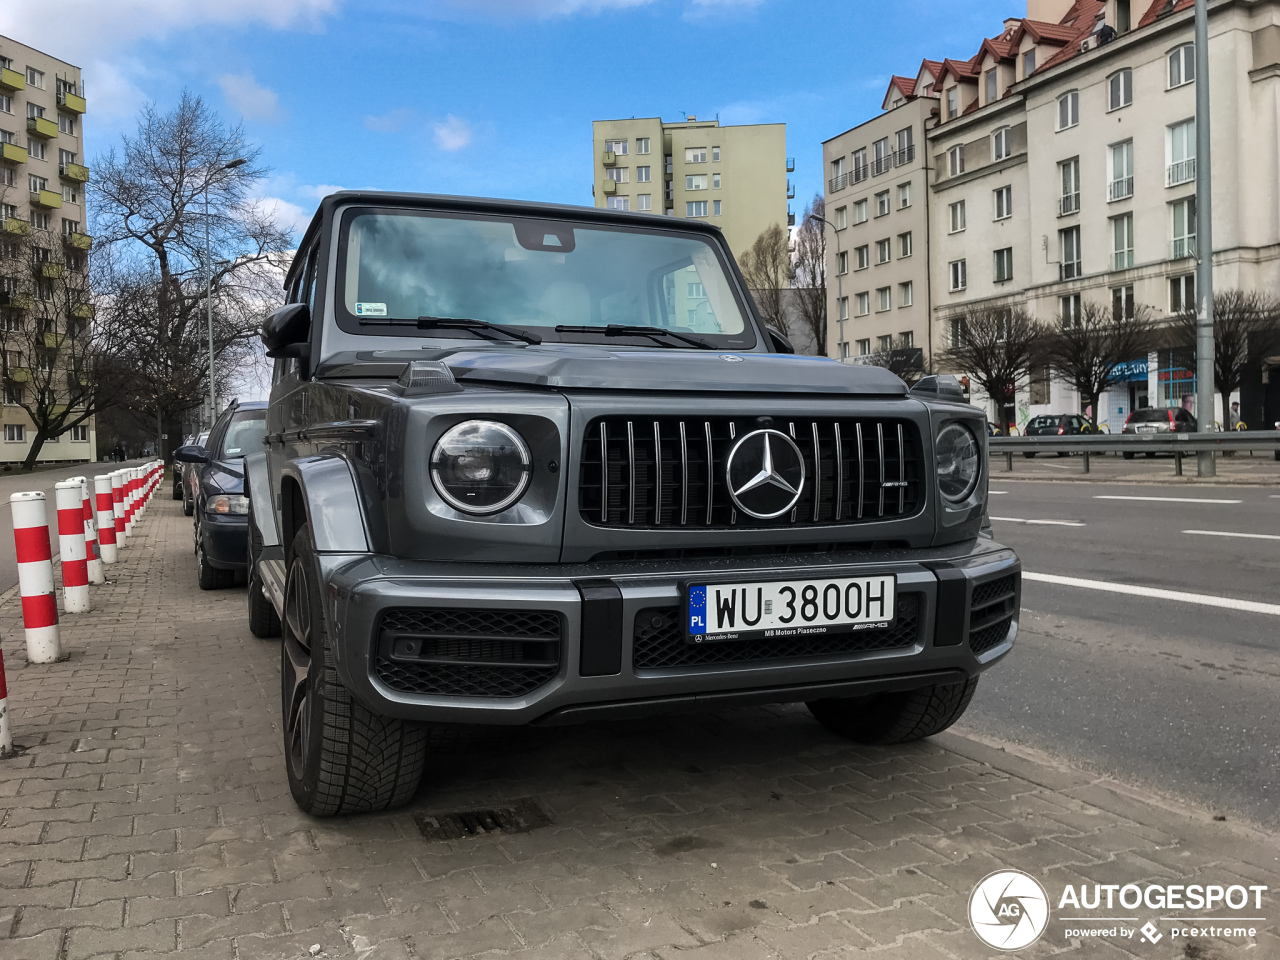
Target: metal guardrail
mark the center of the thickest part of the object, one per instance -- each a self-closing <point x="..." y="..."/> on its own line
<point x="1179" y="444"/>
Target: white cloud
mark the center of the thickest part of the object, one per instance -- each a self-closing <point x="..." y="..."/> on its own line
<point x="254" y="101"/>
<point x="390" y="122"/>
<point x="288" y="215"/>
<point x="320" y="190"/>
<point x="453" y="134"/>
<point x="533" y="9"/>
<point x="114" y="94"/>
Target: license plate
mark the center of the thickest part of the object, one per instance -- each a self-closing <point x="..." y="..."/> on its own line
<point x="788" y="608"/>
<point x="1147" y="428"/>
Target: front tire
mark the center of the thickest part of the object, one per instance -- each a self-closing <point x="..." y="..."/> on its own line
<point x="188" y="503"/>
<point x="210" y="577"/>
<point x="1028" y="454"/>
<point x="1128" y="454"/>
<point x="340" y="757"/>
<point x="264" y="622"/>
<point x="897" y="717"/>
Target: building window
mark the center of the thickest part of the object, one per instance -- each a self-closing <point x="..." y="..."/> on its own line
<point x="842" y="217"/>
<point x="1069" y="309"/>
<point x="36" y="184"/>
<point x="863" y="254"/>
<point x="1122" y="242"/>
<point x="644" y="201"/>
<point x="904" y="245"/>
<point x="41" y="222"/>
<point x="1182" y="65"/>
<point x="15" y="433"/>
<point x="1181" y="149"/>
<point x="642" y="145"/>
<point x="1004" y="202"/>
<point x="1182" y="294"/>
<point x="955" y="160"/>
<point x="1068" y="110"/>
<point x="844" y="350"/>
<point x="67" y="124"/>
<point x="1040" y="377"/>
<point x="1069" y="253"/>
<point x="1028" y="63"/>
<point x="906" y="151"/>
<point x="864" y="304"/>
<point x="1120" y="171"/>
<point x="959" y="274"/>
<point x="953" y="103"/>
<point x="1122" y="303"/>
<point x="906" y="294"/>
<point x="80" y="434"/>
<point x="618" y="203"/>
<point x="35" y="149"/>
<point x="883" y="157"/>
<point x="715" y="207"/>
<point x="1183" y="244"/>
<point x="643" y="174"/>
<point x="715" y="154"/>
<point x="904" y="196"/>
<point x="695" y="154"/>
<point x="842" y="262"/>
<point x="1120" y="89"/>
<point x="956" y="210"/>
<point x="715" y="181"/>
<point x="35" y="78"/>
<point x="1001" y="144"/>
<point x="13" y="394"/>
<point x="864" y="347"/>
<point x="1069" y="202"/>
<point x="993" y="81"/>
<point x="6" y="103"/>
<point x="616" y="146"/>
<point x="843" y="304"/>
<point x="860" y="212"/>
<point x="860" y="165"/>
<point x="695" y="208"/>
<point x="882" y="204"/>
<point x="884" y="250"/>
<point x="695" y="181"/>
<point x="618" y="174"/>
<point x="1003" y="265"/>
<point x="884" y="297"/>
<point x="907" y="339"/>
<point x="884" y="343"/>
<point x="70" y="226"/>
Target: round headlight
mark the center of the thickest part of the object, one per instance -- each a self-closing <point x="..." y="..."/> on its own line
<point x="480" y="466"/>
<point x="958" y="461"/>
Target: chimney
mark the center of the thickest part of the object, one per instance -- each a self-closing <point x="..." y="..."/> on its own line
<point x="1011" y="25"/>
<point x="1048" y="11"/>
<point x="690" y="118"/>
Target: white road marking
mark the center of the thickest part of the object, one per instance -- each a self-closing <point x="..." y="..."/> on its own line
<point x="1000" y="493"/>
<point x="1224" y="533"/>
<point x="1178" y="596"/>
<point x="1103" y="496"/>
<point x="1044" y="523"/>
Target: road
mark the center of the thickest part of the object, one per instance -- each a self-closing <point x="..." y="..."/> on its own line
<point x="17" y="482"/>
<point x="1180" y="697"/>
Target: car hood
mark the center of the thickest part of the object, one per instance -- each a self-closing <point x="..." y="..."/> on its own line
<point x="597" y="368"/>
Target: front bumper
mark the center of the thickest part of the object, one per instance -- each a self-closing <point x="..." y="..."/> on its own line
<point x="604" y="664"/>
<point x="226" y="541"/>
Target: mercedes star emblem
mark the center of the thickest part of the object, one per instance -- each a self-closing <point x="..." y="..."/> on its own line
<point x="765" y="474"/>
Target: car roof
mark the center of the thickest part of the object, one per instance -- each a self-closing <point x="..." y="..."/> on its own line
<point x="252" y="405"/>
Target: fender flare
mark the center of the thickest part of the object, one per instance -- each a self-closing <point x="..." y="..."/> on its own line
<point x="323" y="488"/>
<point x="257" y="487"/>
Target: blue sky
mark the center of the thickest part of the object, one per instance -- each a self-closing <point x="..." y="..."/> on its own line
<point x="489" y="97"/>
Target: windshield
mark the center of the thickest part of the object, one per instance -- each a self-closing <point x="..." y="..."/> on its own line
<point x="535" y="274"/>
<point x="245" y="434"/>
<point x="1151" y="415"/>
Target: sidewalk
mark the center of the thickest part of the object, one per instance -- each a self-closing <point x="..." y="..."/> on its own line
<point x="149" y="816"/>
<point x="1257" y="469"/>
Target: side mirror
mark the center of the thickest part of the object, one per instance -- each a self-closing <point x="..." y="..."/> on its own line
<point x="290" y="325"/>
<point x="943" y="387"/>
<point x="191" y="453"/>
<point x="779" y="341"/>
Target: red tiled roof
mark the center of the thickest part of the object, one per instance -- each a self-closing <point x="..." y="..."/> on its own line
<point x="969" y="109"/>
<point x="998" y="47"/>
<point x="960" y="69"/>
<point x="1042" y="32"/>
<point x="906" y="84"/>
<point x="933" y="66"/>
<point x="1084" y="13"/>
<point x="1160" y="8"/>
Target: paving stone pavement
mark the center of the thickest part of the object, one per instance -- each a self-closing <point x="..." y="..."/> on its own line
<point x="149" y="815"/>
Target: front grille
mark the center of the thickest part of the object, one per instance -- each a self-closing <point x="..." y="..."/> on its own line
<point x="659" y="641"/>
<point x="670" y="472"/>
<point x="991" y="613"/>
<point x="468" y="653"/>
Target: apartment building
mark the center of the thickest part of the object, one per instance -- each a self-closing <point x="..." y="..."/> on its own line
<point x="877" y="203"/>
<point x="43" y="239"/>
<point x="732" y="176"/>
<point x="1064" y="159"/>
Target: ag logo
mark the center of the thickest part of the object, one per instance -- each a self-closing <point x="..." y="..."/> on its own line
<point x="1008" y="910"/>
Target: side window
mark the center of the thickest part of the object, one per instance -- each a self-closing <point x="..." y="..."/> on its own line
<point x="309" y="281"/>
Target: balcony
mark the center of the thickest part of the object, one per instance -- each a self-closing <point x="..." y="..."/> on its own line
<point x="1122" y="260"/>
<point x="42" y="127"/>
<point x="610" y="158"/>
<point x="1069" y="270"/>
<point x="50" y="271"/>
<point x="1183" y="248"/>
<point x="69" y="102"/>
<point x="15" y="225"/>
<point x="11" y="79"/>
<point x="609" y="187"/>
<point x="52" y="341"/>
<point x="1121" y="189"/>
<point x="1184" y="171"/>
<point x="1068" y="204"/>
<point x="791" y="219"/>
<point x="81" y="241"/>
<point x="49" y="199"/>
<point x="74" y="171"/>
<point x="83" y="311"/>
<point x="19" y="374"/>
<point x="836" y="184"/>
<point x="12" y="153"/>
<point x="904" y="156"/>
<point x="791" y="164"/>
<point x="791" y="190"/>
<point x="860" y="173"/>
<point x="881" y="165"/>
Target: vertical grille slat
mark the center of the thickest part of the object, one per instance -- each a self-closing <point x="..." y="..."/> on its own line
<point x="647" y="479"/>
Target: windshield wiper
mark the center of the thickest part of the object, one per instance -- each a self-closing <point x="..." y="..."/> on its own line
<point x="623" y="330"/>
<point x="457" y="323"/>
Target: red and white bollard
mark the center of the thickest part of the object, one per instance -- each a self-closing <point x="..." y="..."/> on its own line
<point x="6" y="735"/>
<point x="106" y="518"/>
<point x="35" y="576"/>
<point x="75" y="566"/>
<point x="92" y="551"/>
<point x="117" y="507"/>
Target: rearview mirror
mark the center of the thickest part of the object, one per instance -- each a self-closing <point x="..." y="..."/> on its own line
<point x="191" y="453"/>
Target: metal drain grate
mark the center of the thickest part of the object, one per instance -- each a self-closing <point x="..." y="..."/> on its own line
<point x="522" y="816"/>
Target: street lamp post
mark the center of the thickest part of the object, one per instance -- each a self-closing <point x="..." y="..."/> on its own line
<point x="208" y="289"/>
<point x="839" y="283"/>
<point x="1205" y="466"/>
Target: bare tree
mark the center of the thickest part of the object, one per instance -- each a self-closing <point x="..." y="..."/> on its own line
<point x="1246" y="330"/>
<point x="767" y="269"/>
<point x="1091" y="351"/>
<point x="151" y="221"/>
<point x="905" y="362"/>
<point x="811" y="273"/>
<point x="996" y="347"/>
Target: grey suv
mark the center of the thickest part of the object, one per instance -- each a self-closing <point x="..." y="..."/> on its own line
<point x="541" y="464"/>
